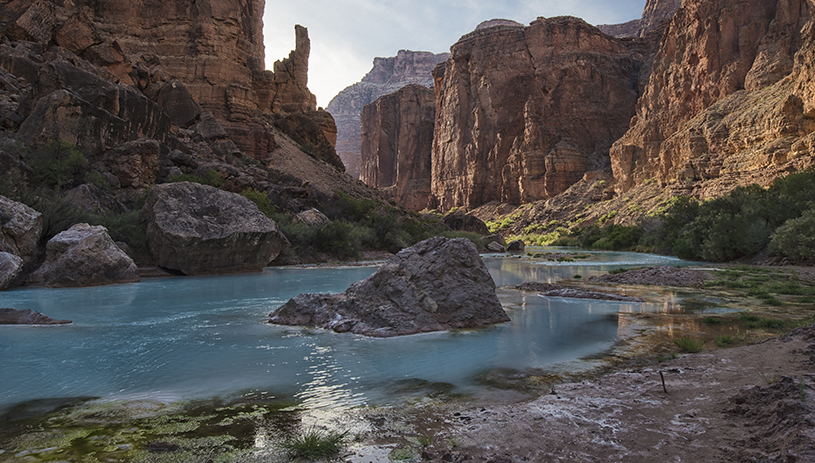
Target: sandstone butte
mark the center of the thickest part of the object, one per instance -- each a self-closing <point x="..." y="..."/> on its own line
<point x="386" y="76"/>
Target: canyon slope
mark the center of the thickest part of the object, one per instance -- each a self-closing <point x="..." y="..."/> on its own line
<point x="386" y="76"/>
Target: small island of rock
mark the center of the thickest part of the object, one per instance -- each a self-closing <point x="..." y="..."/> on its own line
<point x="435" y="285"/>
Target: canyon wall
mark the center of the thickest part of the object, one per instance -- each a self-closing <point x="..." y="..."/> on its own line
<point x="386" y="76"/>
<point x="524" y="112"/>
<point x="397" y="138"/>
<point x="729" y="100"/>
<point x="214" y="48"/>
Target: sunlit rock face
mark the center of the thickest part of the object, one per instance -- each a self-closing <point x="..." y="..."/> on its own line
<point x="397" y="138"/>
<point x="730" y="99"/>
<point x="524" y="112"/>
<point x="437" y="284"/>
<point x="387" y="76"/>
<point x="653" y="14"/>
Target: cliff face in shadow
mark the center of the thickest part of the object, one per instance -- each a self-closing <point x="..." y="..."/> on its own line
<point x="524" y="112"/>
<point x="397" y="137"/>
<point x="387" y="75"/>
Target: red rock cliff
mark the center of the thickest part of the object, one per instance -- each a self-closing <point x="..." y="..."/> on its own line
<point x="397" y="137"/>
<point x="213" y="47"/>
<point x="523" y="112"/>
<point x="730" y="99"/>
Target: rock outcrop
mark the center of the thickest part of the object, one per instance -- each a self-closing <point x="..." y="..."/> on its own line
<point x="729" y="100"/>
<point x="387" y="76"/>
<point x="435" y="285"/>
<point x="397" y="140"/>
<point x="197" y="229"/>
<point x="83" y="255"/>
<point x="20" y="229"/>
<point x="10" y="266"/>
<point x="524" y="112"/>
<point x="27" y="317"/>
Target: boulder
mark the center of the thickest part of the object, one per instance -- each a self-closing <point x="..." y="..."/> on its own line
<point x="468" y="223"/>
<point x="84" y="255"/>
<point x="435" y="285"/>
<point x="10" y="266"/>
<point x="27" y="317"/>
<point x="312" y="217"/>
<point x="493" y="246"/>
<point x="516" y="246"/>
<point x="20" y="228"/>
<point x="197" y="229"/>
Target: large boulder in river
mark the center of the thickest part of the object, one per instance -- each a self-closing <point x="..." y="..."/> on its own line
<point x="197" y="229"/>
<point x="84" y="255"/>
<point x="435" y="285"/>
<point x="20" y="228"/>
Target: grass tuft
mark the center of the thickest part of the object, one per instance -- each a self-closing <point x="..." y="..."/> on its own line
<point x="690" y="345"/>
<point x="314" y="443"/>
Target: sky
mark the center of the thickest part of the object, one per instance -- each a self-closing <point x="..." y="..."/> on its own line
<point x="346" y="35"/>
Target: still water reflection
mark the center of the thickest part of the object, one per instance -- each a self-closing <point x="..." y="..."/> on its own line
<point x="199" y="337"/>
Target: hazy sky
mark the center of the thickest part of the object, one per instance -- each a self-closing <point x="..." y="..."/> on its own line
<point x="346" y="35"/>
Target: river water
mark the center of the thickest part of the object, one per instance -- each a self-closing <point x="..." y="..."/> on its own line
<point x="185" y="338"/>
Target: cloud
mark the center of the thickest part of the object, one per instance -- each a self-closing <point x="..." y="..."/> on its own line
<point x="347" y="34"/>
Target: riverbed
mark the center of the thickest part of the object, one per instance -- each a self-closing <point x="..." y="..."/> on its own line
<point x="185" y="338"/>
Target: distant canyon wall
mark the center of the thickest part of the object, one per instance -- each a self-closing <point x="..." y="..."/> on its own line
<point x="397" y="137"/>
<point x="387" y="75"/>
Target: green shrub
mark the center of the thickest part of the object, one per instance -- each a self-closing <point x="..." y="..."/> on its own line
<point x="126" y="228"/>
<point x="796" y="237"/>
<point x="722" y="340"/>
<point x="688" y="344"/>
<point x="261" y="200"/>
<point x="58" y="165"/>
<point x="314" y="444"/>
<point x="210" y="177"/>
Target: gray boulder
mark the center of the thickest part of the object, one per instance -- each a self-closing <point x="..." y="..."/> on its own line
<point x="460" y="221"/>
<point x="84" y="255"/>
<point x="10" y="266"/>
<point x="197" y="229"/>
<point x="494" y="246"/>
<point x="516" y="246"/>
<point x="312" y="217"/>
<point x="438" y="284"/>
<point x="20" y="229"/>
<point x="27" y="317"/>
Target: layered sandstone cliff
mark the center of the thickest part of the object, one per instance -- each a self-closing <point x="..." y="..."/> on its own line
<point x="397" y="138"/>
<point x="524" y="112"/>
<point x="214" y="48"/>
<point x="729" y="100"/>
<point x="386" y="76"/>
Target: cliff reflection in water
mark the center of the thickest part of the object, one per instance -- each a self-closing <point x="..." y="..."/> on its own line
<point x="200" y="337"/>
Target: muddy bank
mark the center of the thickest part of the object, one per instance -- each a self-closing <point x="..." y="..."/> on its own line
<point x="751" y="403"/>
